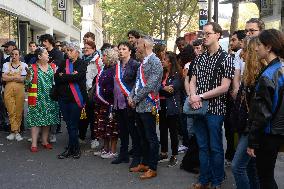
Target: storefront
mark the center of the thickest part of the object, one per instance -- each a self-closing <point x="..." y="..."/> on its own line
<point x="9" y="25"/>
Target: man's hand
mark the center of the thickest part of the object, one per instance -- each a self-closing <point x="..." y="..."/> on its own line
<point x="131" y="102"/>
<point x="194" y="99"/>
<point x="196" y="105"/>
<point x="250" y="152"/>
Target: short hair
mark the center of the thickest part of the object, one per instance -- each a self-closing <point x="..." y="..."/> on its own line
<point x="16" y="49"/>
<point x="197" y="42"/>
<point x="111" y="56"/>
<point x="240" y="34"/>
<point x="47" y="37"/>
<point x="58" y="42"/>
<point x="73" y="45"/>
<point x="158" y="49"/>
<point x="39" y="51"/>
<point x="134" y="33"/>
<point x="91" y="44"/>
<point x="274" y="39"/>
<point x="258" y="21"/>
<point x="125" y="43"/>
<point x="179" y="39"/>
<point x="216" y="27"/>
<point x="91" y="35"/>
<point x="105" y="46"/>
<point x="32" y="42"/>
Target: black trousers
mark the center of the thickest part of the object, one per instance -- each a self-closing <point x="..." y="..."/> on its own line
<point x="84" y="123"/>
<point x="266" y="157"/>
<point x="126" y="127"/>
<point x="146" y="124"/>
<point x="168" y="123"/>
<point x="229" y="131"/>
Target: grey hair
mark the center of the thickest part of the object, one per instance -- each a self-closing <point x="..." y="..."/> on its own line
<point x="111" y="56"/>
<point x="148" y="39"/>
<point x="74" y="45"/>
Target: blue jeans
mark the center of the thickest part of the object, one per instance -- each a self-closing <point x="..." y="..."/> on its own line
<point x="208" y="131"/>
<point x="71" y="115"/>
<point x="146" y="124"/>
<point x="244" y="167"/>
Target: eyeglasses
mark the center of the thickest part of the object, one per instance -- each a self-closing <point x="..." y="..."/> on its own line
<point x="86" y="48"/>
<point x="206" y="34"/>
<point x="250" y="31"/>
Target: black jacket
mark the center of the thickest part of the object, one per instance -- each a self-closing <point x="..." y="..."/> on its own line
<point x="62" y="82"/>
<point x="173" y="100"/>
<point x="130" y="73"/>
<point x="266" y="115"/>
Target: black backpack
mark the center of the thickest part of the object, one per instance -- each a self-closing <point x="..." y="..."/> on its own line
<point x="190" y="161"/>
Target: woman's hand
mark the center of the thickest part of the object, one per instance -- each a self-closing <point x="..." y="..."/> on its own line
<point x="169" y="89"/>
<point x="250" y="152"/>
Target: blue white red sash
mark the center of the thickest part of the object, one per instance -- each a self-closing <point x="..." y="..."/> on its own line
<point x="142" y="83"/>
<point x="119" y="78"/>
<point x="100" y="71"/>
<point x="74" y="86"/>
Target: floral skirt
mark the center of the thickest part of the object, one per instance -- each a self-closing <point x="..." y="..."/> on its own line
<point x="104" y="126"/>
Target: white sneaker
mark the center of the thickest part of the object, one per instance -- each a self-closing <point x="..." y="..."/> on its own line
<point x="95" y="144"/>
<point x="11" y="136"/>
<point x="52" y="139"/>
<point x="109" y="155"/>
<point x="18" y="137"/>
<point x="30" y="140"/>
<point x="100" y="153"/>
<point x="182" y="149"/>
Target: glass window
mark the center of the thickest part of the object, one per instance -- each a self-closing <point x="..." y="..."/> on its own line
<point x="77" y="14"/>
<point x="8" y="28"/>
<point x="41" y="3"/>
<point x="56" y="13"/>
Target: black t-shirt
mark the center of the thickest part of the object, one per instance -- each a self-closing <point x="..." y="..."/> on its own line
<point x="30" y="59"/>
<point x="190" y="68"/>
<point x="55" y="56"/>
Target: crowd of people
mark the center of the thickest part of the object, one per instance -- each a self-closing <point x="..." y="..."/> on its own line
<point x="131" y="88"/>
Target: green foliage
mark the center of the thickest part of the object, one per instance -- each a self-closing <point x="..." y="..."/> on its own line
<point x="159" y="18"/>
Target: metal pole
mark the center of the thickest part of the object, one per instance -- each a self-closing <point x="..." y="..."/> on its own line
<point x="209" y="10"/>
<point x="216" y="6"/>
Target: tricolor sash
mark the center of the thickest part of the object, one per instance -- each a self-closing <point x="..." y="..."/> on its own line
<point x="74" y="86"/>
<point x="100" y="71"/>
<point x="119" y="78"/>
<point x="142" y="82"/>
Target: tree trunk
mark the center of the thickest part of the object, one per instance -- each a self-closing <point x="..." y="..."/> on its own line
<point x="166" y="26"/>
<point x="235" y="16"/>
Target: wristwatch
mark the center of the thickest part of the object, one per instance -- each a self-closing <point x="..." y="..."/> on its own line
<point x="201" y="96"/>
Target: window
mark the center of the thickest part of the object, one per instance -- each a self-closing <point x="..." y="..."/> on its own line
<point x="77" y="14"/>
<point x="8" y="27"/>
<point x="41" y="3"/>
<point x="61" y="15"/>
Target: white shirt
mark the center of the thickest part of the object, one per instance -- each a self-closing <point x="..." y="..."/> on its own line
<point x="145" y="60"/>
<point x="21" y="68"/>
<point x="239" y="62"/>
<point x="92" y="71"/>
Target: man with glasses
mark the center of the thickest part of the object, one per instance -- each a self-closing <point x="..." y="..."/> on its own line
<point x="211" y="79"/>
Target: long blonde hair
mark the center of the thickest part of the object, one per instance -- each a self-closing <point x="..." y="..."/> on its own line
<point x="253" y="65"/>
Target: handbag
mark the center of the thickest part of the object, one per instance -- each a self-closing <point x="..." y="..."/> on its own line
<point x="187" y="109"/>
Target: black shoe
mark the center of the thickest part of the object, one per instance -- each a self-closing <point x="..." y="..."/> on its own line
<point x="66" y="154"/>
<point x="120" y="160"/>
<point x="173" y="162"/>
<point x="77" y="154"/>
<point x="163" y="158"/>
<point x="130" y="152"/>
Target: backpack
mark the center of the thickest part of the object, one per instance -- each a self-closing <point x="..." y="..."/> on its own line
<point x="190" y="161"/>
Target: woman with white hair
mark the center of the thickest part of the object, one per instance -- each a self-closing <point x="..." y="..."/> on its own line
<point x="105" y="127"/>
<point x="70" y="79"/>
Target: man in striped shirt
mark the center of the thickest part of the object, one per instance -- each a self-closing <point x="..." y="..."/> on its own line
<point x="211" y="79"/>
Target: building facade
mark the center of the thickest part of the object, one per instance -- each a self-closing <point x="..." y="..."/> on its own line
<point x="25" y="20"/>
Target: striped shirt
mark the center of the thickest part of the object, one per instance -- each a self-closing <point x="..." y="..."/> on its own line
<point x="203" y="70"/>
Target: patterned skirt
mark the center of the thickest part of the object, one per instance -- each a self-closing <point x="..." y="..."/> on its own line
<point x="105" y="127"/>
